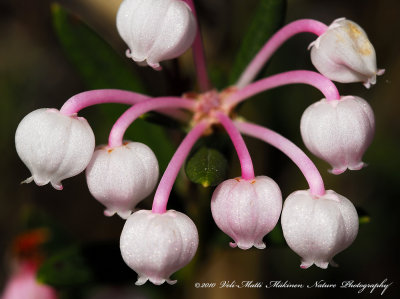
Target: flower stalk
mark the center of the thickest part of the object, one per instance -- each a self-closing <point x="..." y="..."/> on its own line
<point x="243" y="153"/>
<point x="304" y="163"/>
<point x="129" y="116"/>
<point x="198" y="54"/>
<point x="170" y="174"/>
<point x="286" y="32"/>
<point x="326" y="86"/>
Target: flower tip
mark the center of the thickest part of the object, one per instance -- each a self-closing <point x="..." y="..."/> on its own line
<point x="233" y="244"/>
<point x="322" y="265"/>
<point x="260" y="245"/>
<point x="124" y="214"/>
<point x="337" y="171"/>
<point x="108" y="213"/>
<point x="305" y="265"/>
<point x="333" y="264"/>
<point x="27" y="181"/>
<point x="57" y="185"/>
<point x="141" y="281"/>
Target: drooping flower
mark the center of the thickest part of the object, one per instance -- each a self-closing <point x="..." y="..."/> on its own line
<point x="318" y="228"/>
<point x="156" y="30"/>
<point x="345" y="54"/>
<point x="339" y="131"/>
<point x="121" y="177"/>
<point x="157" y="245"/>
<point x="53" y="146"/>
<point x="247" y="210"/>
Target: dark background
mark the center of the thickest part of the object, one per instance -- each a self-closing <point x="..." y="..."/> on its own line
<point x="35" y="73"/>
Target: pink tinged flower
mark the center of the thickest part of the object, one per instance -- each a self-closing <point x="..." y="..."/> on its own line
<point x="157" y="245"/>
<point x="344" y="54"/>
<point x="247" y="210"/>
<point x="318" y="228"/>
<point x="156" y="30"/>
<point x="23" y="285"/>
<point x="339" y="131"/>
<point x="121" y="177"/>
<point x="54" y="146"/>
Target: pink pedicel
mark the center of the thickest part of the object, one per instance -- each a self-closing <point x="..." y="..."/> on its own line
<point x="156" y="30"/>
<point x="53" y="146"/>
<point x="157" y="245"/>
<point x="247" y="210"/>
<point x="304" y="163"/>
<point x="167" y="181"/>
<point x="240" y="146"/>
<point x="270" y="47"/>
<point x="198" y="55"/>
<point x="318" y="228"/>
<point x="122" y="176"/>
<point x="129" y="116"/>
<point x="345" y="54"/>
<point x="339" y="132"/>
<point x="327" y="88"/>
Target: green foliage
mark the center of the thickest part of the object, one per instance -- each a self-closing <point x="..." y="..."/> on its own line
<point x="66" y="268"/>
<point x="207" y="167"/>
<point x="101" y="67"/>
<point x="268" y="18"/>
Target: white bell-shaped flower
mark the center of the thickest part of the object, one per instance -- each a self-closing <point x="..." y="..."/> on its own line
<point x="121" y="177"/>
<point x="339" y="131"/>
<point x="318" y="228"/>
<point x="344" y="54"/>
<point x="54" y="146"/>
<point x="156" y="30"/>
<point x="247" y="210"/>
<point x="157" y="245"/>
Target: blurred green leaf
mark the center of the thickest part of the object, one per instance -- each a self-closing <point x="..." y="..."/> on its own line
<point x="98" y="64"/>
<point x="66" y="268"/>
<point x="207" y="167"/>
<point x="77" y="266"/>
<point x="100" y="67"/>
<point x="268" y="18"/>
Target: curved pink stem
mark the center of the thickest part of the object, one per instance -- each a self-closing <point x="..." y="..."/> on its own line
<point x="306" y="166"/>
<point x="315" y="79"/>
<point x="243" y="153"/>
<point x="198" y="54"/>
<point x="305" y="25"/>
<point x="102" y="96"/>
<point x="129" y="116"/>
<point x="170" y="174"/>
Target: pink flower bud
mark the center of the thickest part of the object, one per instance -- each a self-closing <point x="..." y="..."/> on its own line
<point x="53" y="146"/>
<point x="156" y="30"/>
<point x="157" y="245"/>
<point x="339" y="131"/>
<point x="344" y="54"/>
<point x="23" y="284"/>
<point x="318" y="228"/>
<point x="121" y="177"/>
<point x="247" y="210"/>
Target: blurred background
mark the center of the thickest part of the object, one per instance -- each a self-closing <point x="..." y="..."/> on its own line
<point x="48" y="56"/>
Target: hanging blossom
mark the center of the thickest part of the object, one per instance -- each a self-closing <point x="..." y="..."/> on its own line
<point x="317" y="223"/>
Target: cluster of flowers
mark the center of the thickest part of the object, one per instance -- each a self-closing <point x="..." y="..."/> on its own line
<point x="317" y="223"/>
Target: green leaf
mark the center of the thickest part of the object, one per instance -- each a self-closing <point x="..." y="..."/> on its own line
<point x="66" y="268"/>
<point x="207" y="167"/>
<point x="96" y="61"/>
<point x="268" y="18"/>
